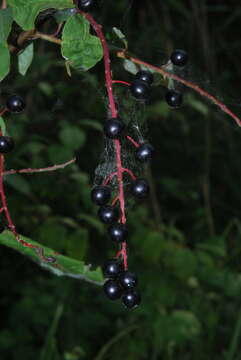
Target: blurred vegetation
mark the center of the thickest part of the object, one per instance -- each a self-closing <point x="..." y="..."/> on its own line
<point x="185" y="242"/>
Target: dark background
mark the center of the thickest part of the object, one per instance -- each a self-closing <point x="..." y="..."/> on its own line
<point x="185" y="241"/>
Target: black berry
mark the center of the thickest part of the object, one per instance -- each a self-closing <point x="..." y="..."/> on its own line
<point x="111" y="268"/>
<point x="118" y="232"/>
<point x="112" y="289"/>
<point x="140" y="89"/>
<point x="174" y="98"/>
<point x="131" y="299"/>
<point x="145" y="76"/>
<point x="85" y="5"/>
<point x="6" y="144"/>
<point x="127" y="279"/>
<point x="179" y="57"/>
<point x="144" y="152"/>
<point x="100" y="195"/>
<point x="15" y="104"/>
<point x="113" y="128"/>
<point x="140" y="188"/>
<point x="108" y="214"/>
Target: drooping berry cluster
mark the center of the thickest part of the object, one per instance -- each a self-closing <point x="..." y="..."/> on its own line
<point x="120" y="282"/>
<point x="173" y="97"/>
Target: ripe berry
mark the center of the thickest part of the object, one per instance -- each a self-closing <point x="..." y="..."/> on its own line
<point x="179" y="57"/>
<point x="140" y="188"/>
<point x="173" y="98"/>
<point x="145" y="76"/>
<point x="108" y="214"/>
<point x="140" y="89"/>
<point x="113" y="128"/>
<point x="100" y="195"/>
<point x="15" y="104"/>
<point x="131" y="299"/>
<point x="127" y="279"/>
<point x="85" y="5"/>
<point x="111" y="268"/>
<point x="6" y="144"/>
<point x="112" y="290"/>
<point x="118" y="232"/>
<point x="144" y="152"/>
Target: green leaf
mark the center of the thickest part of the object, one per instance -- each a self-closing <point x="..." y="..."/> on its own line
<point x="24" y="59"/>
<point x="2" y="126"/>
<point x="121" y="36"/>
<point x="26" y="11"/>
<point x="72" y="137"/>
<point x="5" y="60"/>
<point x="19" y="184"/>
<point x="64" y="266"/>
<point x="5" y="23"/>
<point x="81" y="49"/>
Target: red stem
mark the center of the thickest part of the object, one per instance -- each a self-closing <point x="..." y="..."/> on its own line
<point x="132" y="141"/>
<point x="187" y="83"/>
<point x="114" y="114"/>
<point x="4" y="4"/>
<point x="120" y="82"/>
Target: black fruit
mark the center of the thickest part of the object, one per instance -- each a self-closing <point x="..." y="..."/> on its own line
<point x="144" y="152"/>
<point x="179" y="57"/>
<point x="85" y="5"/>
<point x="140" y="89"/>
<point x="118" y="232"/>
<point x="111" y="268"/>
<point x="15" y="104"/>
<point x="127" y="279"/>
<point x="131" y="299"/>
<point x="140" y="188"/>
<point x="112" y="289"/>
<point x="113" y="128"/>
<point x="108" y="214"/>
<point x="100" y="195"/>
<point x="145" y="76"/>
<point x="174" y="98"/>
<point x="6" y="144"/>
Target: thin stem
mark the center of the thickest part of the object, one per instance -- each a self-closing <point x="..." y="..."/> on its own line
<point x="4" y="4"/>
<point x="160" y="70"/>
<point x="2" y="112"/>
<point x="132" y="141"/>
<point x="128" y="171"/>
<point x="32" y="171"/>
<point x="50" y="38"/>
<point x="109" y="178"/>
<point x="120" y="82"/>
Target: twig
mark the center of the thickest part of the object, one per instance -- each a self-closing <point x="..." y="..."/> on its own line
<point x="32" y="171"/>
<point x="4" y="4"/>
<point x="160" y="70"/>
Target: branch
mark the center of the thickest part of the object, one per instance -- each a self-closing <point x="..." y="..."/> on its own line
<point x="160" y="70"/>
<point x="32" y="171"/>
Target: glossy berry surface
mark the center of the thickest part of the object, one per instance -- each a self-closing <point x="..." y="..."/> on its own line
<point x="118" y="232"/>
<point x="179" y="57"/>
<point x="6" y="144"/>
<point x="108" y="214"/>
<point x="127" y="279"/>
<point x="140" y="89"/>
<point x="145" y="76"/>
<point x="112" y="289"/>
<point x="173" y="98"/>
<point x="140" y="188"/>
<point x="15" y="104"/>
<point x="113" y="128"/>
<point x="111" y="268"/>
<point x="131" y="299"/>
<point x="85" y="5"/>
<point x="100" y="195"/>
<point x="144" y="152"/>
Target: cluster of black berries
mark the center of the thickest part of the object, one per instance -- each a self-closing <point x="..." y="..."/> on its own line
<point x="121" y="284"/>
<point x="173" y="97"/>
<point x="85" y="5"/>
<point x="14" y="104"/>
<point x="140" y="87"/>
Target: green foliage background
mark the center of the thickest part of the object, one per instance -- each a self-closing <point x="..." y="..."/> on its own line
<point x="185" y="242"/>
